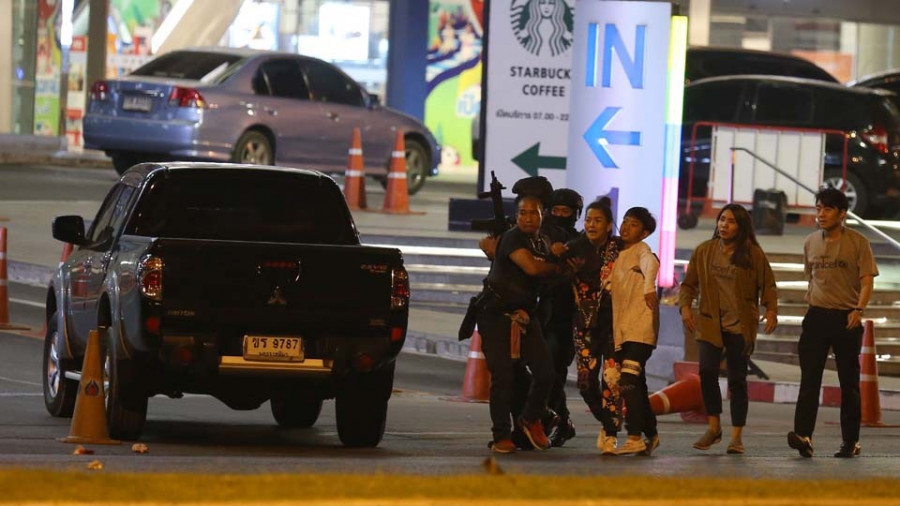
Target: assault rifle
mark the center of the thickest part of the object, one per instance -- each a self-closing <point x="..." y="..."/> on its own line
<point x="500" y="222"/>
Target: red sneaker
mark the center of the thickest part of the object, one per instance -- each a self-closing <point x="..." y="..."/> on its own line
<point x="534" y="431"/>
<point x="503" y="446"/>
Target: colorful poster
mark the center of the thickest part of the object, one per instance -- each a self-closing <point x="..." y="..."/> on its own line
<point x="77" y="91"/>
<point x="48" y="70"/>
<point x="453" y="76"/>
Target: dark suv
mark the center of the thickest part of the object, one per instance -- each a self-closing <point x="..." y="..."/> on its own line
<point x="703" y="62"/>
<point x="889" y="80"/>
<point x="868" y="116"/>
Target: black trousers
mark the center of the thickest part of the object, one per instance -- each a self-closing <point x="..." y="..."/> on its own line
<point x="558" y="335"/>
<point x="824" y="329"/>
<point x="710" y="359"/>
<point x="639" y="415"/>
<point x="507" y="377"/>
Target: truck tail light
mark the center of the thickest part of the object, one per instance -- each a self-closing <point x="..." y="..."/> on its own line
<point x="150" y="274"/>
<point x="186" y="97"/>
<point x="399" y="288"/>
<point x="363" y="362"/>
<point x="99" y="90"/>
<point x="877" y="137"/>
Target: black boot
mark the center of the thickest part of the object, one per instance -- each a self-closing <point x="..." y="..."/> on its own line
<point x="564" y="431"/>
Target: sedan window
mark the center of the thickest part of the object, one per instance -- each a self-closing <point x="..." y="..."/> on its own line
<point x="194" y="65"/>
<point x="281" y="78"/>
<point x="331" y="85"/>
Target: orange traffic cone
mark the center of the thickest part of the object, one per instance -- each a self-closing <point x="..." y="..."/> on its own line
<point x="868" y="381"/>
<point x="477" y="381"/>
<point x="355" y="177"/>
<point x="396" y="199"/>
<point x="4" y="289"/>
<point x="683" y="397"/>
<point x="89" y="420"/>
<point x="67" y="250"/>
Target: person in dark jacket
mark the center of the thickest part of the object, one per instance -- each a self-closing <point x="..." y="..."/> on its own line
<point x="557" y="307"/>
<point x="510" y="329"/>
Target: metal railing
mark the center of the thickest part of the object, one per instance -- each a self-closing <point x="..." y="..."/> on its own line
<point x="893" y="242"/>
<point x="758" y="128"/>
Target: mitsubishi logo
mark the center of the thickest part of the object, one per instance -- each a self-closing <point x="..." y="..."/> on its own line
<point x="276" y="299"/>
<point x="278" y="274"/>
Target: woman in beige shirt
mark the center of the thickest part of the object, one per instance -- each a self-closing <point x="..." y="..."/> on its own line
<point x="731" y="275"/>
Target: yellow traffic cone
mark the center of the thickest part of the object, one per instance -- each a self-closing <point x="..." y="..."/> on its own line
<point x="89" y="420"/>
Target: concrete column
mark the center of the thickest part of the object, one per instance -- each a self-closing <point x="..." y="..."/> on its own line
<point x="698" y="22"/>
<point x="6" y="66"/>
<point x="407" y="56"/>
<point x="202" y="24"/>
<point x="96" y="50"/>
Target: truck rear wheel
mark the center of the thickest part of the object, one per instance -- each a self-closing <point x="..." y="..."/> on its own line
<point x="361" y="407"/>
<point x="126" y="404"/>
<point x="292" y="411"/>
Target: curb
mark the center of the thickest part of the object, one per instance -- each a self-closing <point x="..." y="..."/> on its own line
<point x="432" y="344"/>
<point x="785" y="392"/>
<point x="29" y="274"/>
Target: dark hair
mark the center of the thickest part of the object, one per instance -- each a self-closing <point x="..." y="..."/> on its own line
<point x="604" y="205"/>
<point x="642" y="214"/>
<point x="832" y="197"/>
<point x="745" y="235"/>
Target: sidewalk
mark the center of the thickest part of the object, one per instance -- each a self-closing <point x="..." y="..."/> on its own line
<point x="33" y="255"/>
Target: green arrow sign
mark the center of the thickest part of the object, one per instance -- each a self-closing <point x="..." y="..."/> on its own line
<point x="530" y="161"/>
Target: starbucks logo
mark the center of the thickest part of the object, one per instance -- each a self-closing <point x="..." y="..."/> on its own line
<point x="543" y="27"/>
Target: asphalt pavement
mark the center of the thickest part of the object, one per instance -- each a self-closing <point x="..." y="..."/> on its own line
<point x="427" y="432"/>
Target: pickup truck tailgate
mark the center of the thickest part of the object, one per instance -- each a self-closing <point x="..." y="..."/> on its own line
<point x="281" y="287"/>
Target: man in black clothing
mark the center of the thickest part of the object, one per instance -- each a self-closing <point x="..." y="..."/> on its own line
<point x="557" y="306"/>
<point x="511" y="330"/>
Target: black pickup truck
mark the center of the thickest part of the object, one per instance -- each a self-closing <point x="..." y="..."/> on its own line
<point x="243" y="282"/>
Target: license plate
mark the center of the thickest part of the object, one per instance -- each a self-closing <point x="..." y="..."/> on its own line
<point x="273" y="348"/>
<point x="140" y="103"/>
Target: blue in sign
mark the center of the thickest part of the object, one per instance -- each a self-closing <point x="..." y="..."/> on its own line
<point x="597" y="137"/>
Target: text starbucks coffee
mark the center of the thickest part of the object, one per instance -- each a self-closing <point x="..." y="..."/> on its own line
<point x="546" y="90"/>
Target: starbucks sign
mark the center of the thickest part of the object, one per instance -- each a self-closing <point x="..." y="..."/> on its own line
<point x="526" y="87"/>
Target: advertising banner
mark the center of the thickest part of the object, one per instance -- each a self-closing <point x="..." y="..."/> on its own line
<point x="77" y="92"/>
<point x="526" y="113"/>
<point x="453" y="76"/>
<point x="48" y="70"/>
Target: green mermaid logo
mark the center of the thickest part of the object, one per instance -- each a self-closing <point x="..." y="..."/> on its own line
<point x="543" y="27"/>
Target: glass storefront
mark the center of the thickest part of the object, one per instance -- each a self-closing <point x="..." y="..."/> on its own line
<point x="848" y="50"/>
<point x="352" y="35"/>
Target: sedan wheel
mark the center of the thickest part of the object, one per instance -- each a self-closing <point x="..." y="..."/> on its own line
<point x="253" y="148"/>
<point x="416" y="166"/>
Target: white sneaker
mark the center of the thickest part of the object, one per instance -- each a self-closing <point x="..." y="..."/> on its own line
<point x="632" y="446"/>
<point x="607" y="444"/>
